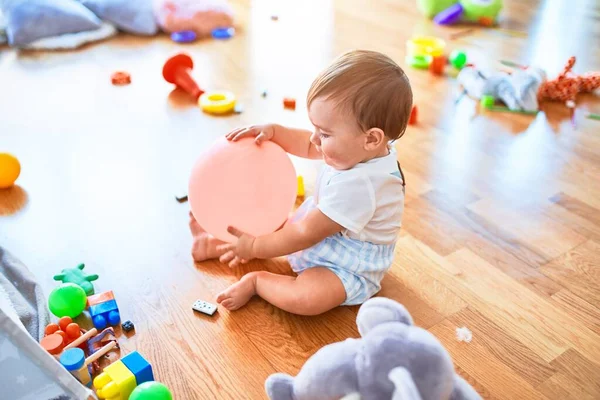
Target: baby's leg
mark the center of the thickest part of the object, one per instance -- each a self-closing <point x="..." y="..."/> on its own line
<point x="204" y="246"/>
<point x="314" y="291"/>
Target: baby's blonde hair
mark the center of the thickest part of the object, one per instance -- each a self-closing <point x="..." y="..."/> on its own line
<point x="371" y="86"/>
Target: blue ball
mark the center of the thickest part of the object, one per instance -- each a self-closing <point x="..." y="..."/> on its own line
<point x="223" y="33"/>
<point x="183" y="36"/>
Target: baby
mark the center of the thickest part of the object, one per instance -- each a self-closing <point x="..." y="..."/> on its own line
<point x="341" y="241"/>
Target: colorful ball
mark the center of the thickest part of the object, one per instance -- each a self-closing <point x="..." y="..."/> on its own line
<point x="458" y="59"/>
<point x="67" y="299"/>
<point x="151" y="391"/>
<point x="251" y="187"/>
<point x="10" y="169"/>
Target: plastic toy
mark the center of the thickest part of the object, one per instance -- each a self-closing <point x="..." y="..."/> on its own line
<point x="177" y="71"/>
<point x="223" y="33"/>
<point x="200" y="16"/>
<point x="217" y="102"/>
<point x="127" y="326"/>
<point x="78" y="277"/>
<point x="53" y="343"/>
<point x="567" y="85"/>
<point x="65" y="328"/>
<point x="183" y="36"/>
<point x="300" y="190"/>
<point x="151" y="391"/>
<point x="458" y="59"/>
<point x="120" y="378"/>
<point x="103" y="309"/>
<point x="10" y="169"/>
<point x="289" y="103"/>
<point x="414" y="113"/>
<point x="393" y="359"/>
<point x="75" y="362"/>
<point x="67" y="299"/>
<point x="96" y="343"/>
<point x="120" y="78"/>
<point x="438" y="63"/>
<point x="420" y="50"/>
<point x="263" y="176"/>
<point x="446" y="12"/>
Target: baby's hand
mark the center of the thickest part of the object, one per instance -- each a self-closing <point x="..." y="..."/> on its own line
<point x="240" y="251"/>
<point x="261" y="132"/>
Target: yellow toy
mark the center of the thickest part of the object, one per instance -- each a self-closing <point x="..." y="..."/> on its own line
<point x="217" y="102"/>
<point x="115" y="383"/>
<point x="300" y="192"/>
<point x="420" y="50"/>
<point x="10" y="169"/>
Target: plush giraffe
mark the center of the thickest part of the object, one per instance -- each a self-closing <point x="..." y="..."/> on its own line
<point x="567" y="85"/>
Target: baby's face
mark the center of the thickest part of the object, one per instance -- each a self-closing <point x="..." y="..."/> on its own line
<point x="337" y="135"/>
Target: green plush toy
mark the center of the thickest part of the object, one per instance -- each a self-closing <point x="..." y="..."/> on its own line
<point x="78" y="277"/>
<point x="447" y="12"/>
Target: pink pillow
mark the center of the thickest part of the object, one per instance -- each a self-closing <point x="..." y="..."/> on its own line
<point x="200" y="16"/>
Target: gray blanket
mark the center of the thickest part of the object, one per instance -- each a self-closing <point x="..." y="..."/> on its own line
<point x="24" y="294"/>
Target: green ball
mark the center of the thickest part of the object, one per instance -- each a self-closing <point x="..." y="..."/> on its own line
<point x="67" y="300"/>
<point x="151" y="391"/>
<point x="458" y="59"/>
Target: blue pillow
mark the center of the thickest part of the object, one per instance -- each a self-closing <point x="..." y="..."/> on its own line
<point x="133" y="16"/>
<point x="30" y="20"/>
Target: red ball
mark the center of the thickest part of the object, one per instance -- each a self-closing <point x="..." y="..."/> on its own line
<point x="73" y="331"/>
<point x="51" y="328"/>
<point x="63" y="322"/>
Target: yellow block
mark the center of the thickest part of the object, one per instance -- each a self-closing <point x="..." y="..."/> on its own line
<point x="300" y="192"/>
<point x="115" y="383"/>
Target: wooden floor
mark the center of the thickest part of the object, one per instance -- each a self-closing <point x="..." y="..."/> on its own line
<point x="501" y="232"/>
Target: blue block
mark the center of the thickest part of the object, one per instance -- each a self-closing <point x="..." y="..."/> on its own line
<point x="139" y="367"/>
<point x="103" y="308"/>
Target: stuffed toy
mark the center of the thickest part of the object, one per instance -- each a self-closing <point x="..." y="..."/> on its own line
<point x="200" y="16"/>
<point x="446" y="12"/>
<point x="393" y="360"/>
<point x="567" y="85"/>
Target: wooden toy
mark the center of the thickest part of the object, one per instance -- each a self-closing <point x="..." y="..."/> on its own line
<point x="121" y="377"/>
<point x="10" y="169"/>
<point x="75" y="362"/>
<point x="177" y="70"/>
<point x="78" y="277"/>
<point x="217" y="102"/>
<point x="103" y="309"/>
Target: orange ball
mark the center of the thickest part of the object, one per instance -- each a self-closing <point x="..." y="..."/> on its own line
<point x="51" y="328"/>
<point x="64" y="335"/>
<point x="63" y="322"/>
<point x="73" y="331"/>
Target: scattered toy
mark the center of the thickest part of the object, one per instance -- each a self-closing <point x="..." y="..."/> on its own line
<point x="289" y="103"/>
<point x="204" y="307"/>
<point x="151" y="391"/>
<point x="78" y="277"/>
<point x="567" y="85"/>
<point x="181" y="197"/>
<point x="120" y="78"/>
<point x="223" y="33"/>
<point x="127" y="326"/>
<point x="99" y="341"/>
<point x="10" y="169"/>
<point x="67" y="299"/>
<point x="177" y="70"/>
<point x="75" y="362"/>
<point x="103" y="309"/>
<point x="451" y="12"/>
<point x="217" y="102"/>
<point x="183" y="36"/>
<point x="437" y="65"/>
<point x="458" y="59"/>
<point x="120" y="378"/>
<point x="264" y="93"/>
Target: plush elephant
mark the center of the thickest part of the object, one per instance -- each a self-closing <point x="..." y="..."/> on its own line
<point x="393" y="360"/>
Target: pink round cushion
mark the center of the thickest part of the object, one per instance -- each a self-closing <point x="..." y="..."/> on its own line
<point x="241" y="184"/>
<point x="200" y="16"/>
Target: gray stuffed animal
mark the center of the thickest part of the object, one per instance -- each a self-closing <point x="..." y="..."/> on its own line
<point x="393" y="360"/>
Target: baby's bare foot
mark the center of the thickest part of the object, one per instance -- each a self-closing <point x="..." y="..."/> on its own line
<point x="238" y="294"/>
<point x="204" y="246"/>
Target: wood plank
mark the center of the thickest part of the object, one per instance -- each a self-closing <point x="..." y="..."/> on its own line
<point x="577" y="207"/>
<point x="497" y="248"/>
<point x="580" y="309"/>
<point x="479" y="388"/>
<point x="475" y="359"/>
<point x="504" y="348"/>
<point x="577" y="377"/>
<point x="542" y="234"/>
<point x="579" y="271"/>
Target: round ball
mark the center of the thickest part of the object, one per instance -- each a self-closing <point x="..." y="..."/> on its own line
<point x="67" y="299"/>
<point x="51" y="328"/>
<point x="10" y="169"/>
<point x="458" y="59"/>
<point x="244" y="185"/>
<point x="64" y="322"/>
<point x="151" y="391"/>
<point x="73" y="331"/>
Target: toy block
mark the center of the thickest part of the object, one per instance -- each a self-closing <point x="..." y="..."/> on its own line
<point x="100" y="298"/>
<point x="139" y="367"/>
<point x="115" y="383"/>
<point x="102" y="308"/>
<point x="112" y="317"/>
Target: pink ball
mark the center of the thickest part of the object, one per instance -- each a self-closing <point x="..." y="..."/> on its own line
<point x="241" y="184"/>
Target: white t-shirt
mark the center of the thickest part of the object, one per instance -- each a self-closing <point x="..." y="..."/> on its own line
<point x="367" y="200"/>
